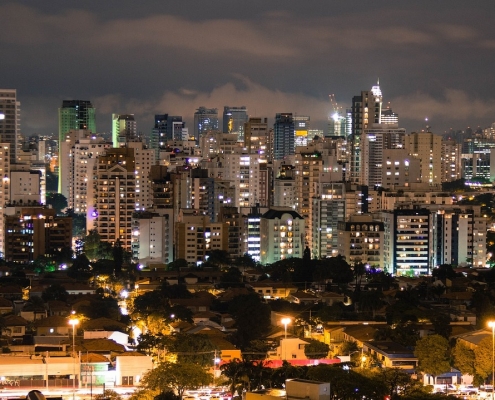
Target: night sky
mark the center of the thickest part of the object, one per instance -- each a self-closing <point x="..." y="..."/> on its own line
<point x="434" y="59"/>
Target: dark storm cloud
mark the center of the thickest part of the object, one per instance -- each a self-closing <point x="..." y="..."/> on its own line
<point x="433" y="60"/>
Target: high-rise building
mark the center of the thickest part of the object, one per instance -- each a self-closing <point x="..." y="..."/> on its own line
<point x="4" y="189"/>
<point x="301" y="129"/>
<point x="167" y="128"/>
<point x="124" y="129"/>
<point x="10" y="122"/>
<point x="73" y="115"/>
<point x="256" y="136"/>
<point x="234" y="119"/>
<point x="389" y="117"/>
<point x="283" y="136"/>
<point x="428" y="148"/>
<point x="366" y="110"/>
<point x="205" y="119"/>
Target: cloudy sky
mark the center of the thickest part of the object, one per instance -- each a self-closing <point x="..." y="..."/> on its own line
<point x="434" y="59"/>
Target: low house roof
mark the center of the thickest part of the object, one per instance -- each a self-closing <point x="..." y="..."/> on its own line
<point x="4" y="303"/>
<point x="54" y="320"/>
<point x="14" y="320"/>
<point x="103" y="323"/>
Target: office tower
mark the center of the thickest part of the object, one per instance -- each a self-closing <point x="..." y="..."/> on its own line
<point x="73" y="115"/>
<point x="427" y="147"/>
<point x="31" y="232"/>
<point x="205" y="120"/>
<point x="166" y="128"/>
<point x="283" y="136"/>
<point x="301" y="129"/>
<point x="389" y="117"/>
<point x="4" y="189"/>
<point x="337" y="125"/>
<point x="234" y="119"/>
<point x="366" y="110"/>
<point x="10" y="122"/>
<point x="124" y="129"/>
<point x="256" y="136"/>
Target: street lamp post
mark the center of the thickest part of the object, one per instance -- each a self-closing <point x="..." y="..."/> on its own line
<point x="491" y="324"/>
<point x="74" y="322"/>
<point x="285" y="321"/>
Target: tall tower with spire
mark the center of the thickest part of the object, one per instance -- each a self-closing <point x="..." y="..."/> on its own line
<point x="366" y="110"/>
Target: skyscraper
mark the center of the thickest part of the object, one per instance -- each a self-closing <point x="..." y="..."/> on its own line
<point x="205" y="119"/>
<point x="75" y="115"/>
<point x="366" y="110"/>
<point x="10" y="122"/>
<point x="301" y="128"/>
<point x="166" y="127"/>
<point x="283" y="136"/>
<point x="123" y="129"/>
<point x="234" y="119"/>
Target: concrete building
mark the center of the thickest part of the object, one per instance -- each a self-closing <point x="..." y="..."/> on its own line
<point x="366" y="110"/>
<point x="282" y="232"/>
<point x="31" y="232"/>
<point x="301" y="129"/>
<point x="196" y="236"/>
<point x="110" y="212"/>
<point x="360" y="240"/>
<point x="25" y="186"/>
<point x="10" y="122"/>
<point x="234" y="119"/>
<point x="124" y="129"/>
<point x="205" y="120"/>
<point x="153" y="236"/>
<point x="283" y="136"/>
<point x="427" y="147"/>
<point x="4" y="189"/>
<point x="73" y="115"/>
<point x="257" y="137"/>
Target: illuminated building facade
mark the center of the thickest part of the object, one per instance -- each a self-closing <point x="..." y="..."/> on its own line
<point x="283" y="136"/>
<point x="234" y="119"/>
<point x="10" y="122"/>
<point x="205" y="120"/>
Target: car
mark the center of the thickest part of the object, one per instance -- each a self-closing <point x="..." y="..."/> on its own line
<point x="189" y="397"/>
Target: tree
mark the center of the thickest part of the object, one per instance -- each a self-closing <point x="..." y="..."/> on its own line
<point x="196" y="349"/>
<point x="176" y="376"/>
<point x="464" y="359"/>
<point x="433" y="354"/>
<point x="483" y="358"/>
<point x="252" y="318"/>
<point x="57" y="200"/>
<point x="55" y="292"/>
<point x="108" y="395"/>
<point x="316" y="349"/>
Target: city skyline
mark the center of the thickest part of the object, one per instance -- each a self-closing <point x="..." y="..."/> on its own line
<point x="433" y="60"/>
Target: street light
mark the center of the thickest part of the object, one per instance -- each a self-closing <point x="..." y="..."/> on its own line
<point x="74" y="322"/>
<point x="491" y="324"/>
<point x="285" y="321"/>
<point x="363" y="357"/>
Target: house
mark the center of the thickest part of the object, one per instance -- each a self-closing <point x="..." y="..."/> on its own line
<point x="391" y="354"/>
<point x="53" y="326"/>
<point x="226" y="350"/>
<point x="130" y="368"/>
<point x="302" y="297"/>
<point x="78" y="288"/>
<point x="11" y="292"/>
<point x="57" y="307"/>
<point x="14" y="326"/>
<point x="331" y="298"/>
<point x="32" y="312"/>
<point x="195" y="304"/>
<point x="269" y="289"/>
<point x="6" y="306"/>
<point x="289" y="348"/>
